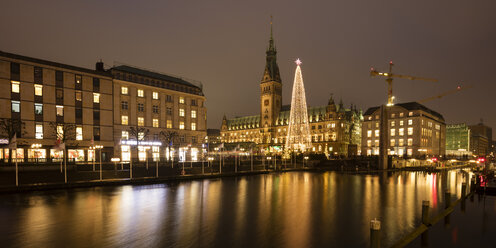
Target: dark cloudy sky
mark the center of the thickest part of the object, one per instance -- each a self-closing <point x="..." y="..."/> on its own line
<point x="222" y="44"/>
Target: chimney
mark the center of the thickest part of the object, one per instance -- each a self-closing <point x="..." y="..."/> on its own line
<point x="99" y="66"/>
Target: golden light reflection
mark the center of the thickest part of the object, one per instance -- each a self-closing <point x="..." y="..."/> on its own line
<point x="293" y="209"/>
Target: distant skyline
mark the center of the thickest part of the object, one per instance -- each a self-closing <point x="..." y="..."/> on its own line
<point x="223" y="43"/>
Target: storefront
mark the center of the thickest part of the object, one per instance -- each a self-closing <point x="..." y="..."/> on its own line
<point x="91" y="155"/>
<point x="37" y="155"/>
<point x="194" y="154"/>
<point x="156" y="153"/>
<point x="75" y="154"/>
<point x="56" y="155"/>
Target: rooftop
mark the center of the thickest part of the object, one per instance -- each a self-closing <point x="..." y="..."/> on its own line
<point x="409" y="106"/>
<point x="54" y="64"/>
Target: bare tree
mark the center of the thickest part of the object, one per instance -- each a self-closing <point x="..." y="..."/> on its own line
<point x="9" y="128"/>
<point x="168" y="137"/>
<point x="139" y="134"/>
<point x="66" y="133"/>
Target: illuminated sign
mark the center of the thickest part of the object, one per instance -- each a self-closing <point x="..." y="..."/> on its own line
<point x="141" y="143"/>
<point x="4" y="141"/>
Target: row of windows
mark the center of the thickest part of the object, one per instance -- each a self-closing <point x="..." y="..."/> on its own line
<point x="401" y="142"/>
<point x="38" y="91"/>
<point x="155" y="122"/>
<point x="156" y="109"/>
<point x="38" y="110"/>
<point x="155" y="96"/>
<point x="60" y="132"/>
<point x="156" y="83"/>
<point x="393" y="115"/>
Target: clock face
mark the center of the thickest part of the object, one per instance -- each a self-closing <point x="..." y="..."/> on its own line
<point x="266" y="102"/>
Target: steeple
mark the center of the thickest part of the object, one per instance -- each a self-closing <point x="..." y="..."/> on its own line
<point x="271" y="72"/>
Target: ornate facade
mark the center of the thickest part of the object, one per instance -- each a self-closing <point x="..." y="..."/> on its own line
<point x="335" y="130"/>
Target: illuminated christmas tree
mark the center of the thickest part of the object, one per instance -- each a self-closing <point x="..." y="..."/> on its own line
<point x="298" y="138"/>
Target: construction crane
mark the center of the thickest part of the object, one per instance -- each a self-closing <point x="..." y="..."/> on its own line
<point x="390" y="77"/>
<point x="449" y="92"/>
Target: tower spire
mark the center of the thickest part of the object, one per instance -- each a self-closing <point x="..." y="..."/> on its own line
<point x="271" y="69"/>
<point x="271" y="27"/>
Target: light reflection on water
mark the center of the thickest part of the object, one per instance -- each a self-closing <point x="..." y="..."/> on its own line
<point x="296" y="209"/>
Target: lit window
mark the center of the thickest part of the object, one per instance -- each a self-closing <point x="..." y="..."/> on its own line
<point x="376" y="142"/>
<point x="393" y="142"/>
<point x="16" y="106"/>
<point x="369" y="133"/>
<point x="376" y="133"/>
<point x="401" y="114"/>
<point x="124" y="90"/>
<point x="393" y="123"/>
<point x="96" y="97"/>
<point x="79" y="133"/>
<point x="401" y="123"/>
<point x="38" y="108"/>
<point x="155" y="95"/>
<point x="377" y="124"/>
<point x="410" y="122"/>
<point x="155" y="122"/>
<point x="193" y="126"/>
<point x="181" y="112"/>
<point x="393" y="132"/>
<point x="39" y="131"/>
<point x="333" y="125"/>
<point x="79" y="96"/>
<point x="141" y="135"/>
<point x="38" y="90"/>
<point x="410" y="142"/>
<point x="393" y="115"/>
<point x="401" y="143"/>
<point x="369" y="143"/>
<point x="169" y="123"/>
<point x="15" y="87"/>
<point x="193" y="113"/>
<point x="410" y="113"/>
<point x="401" y="131"/>
<point x="181" y="125"/>
<point x="125" y="135"/>
<point x="141" y="93"/>
<point x="181" y="100"/>
<point x="141" y="121"/>
<point x="79" y="79"/>
<point x="60" y="131"/>
<point x="60" y="110"/>
<point x="410" y="131"/>
<point x="124" y="120"/>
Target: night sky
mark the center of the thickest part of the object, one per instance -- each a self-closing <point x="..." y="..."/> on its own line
<point x="222" y="44"/>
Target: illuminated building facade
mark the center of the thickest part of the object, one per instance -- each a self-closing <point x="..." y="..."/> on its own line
<point x="413" y="130"/>
<point x="157" y="102"/>
<point x="482" y="134"/>
<point x="334" y="130"/>
<point x="458" y="140"/>
<point x="45" y="100"/>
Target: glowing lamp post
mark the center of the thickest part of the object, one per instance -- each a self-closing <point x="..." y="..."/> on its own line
<point x="100" y="148"/>
<point x="305" y="159"/>
<point x="115" y="161"/>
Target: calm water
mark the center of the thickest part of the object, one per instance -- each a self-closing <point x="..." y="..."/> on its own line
<point x="295" y="209"/>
